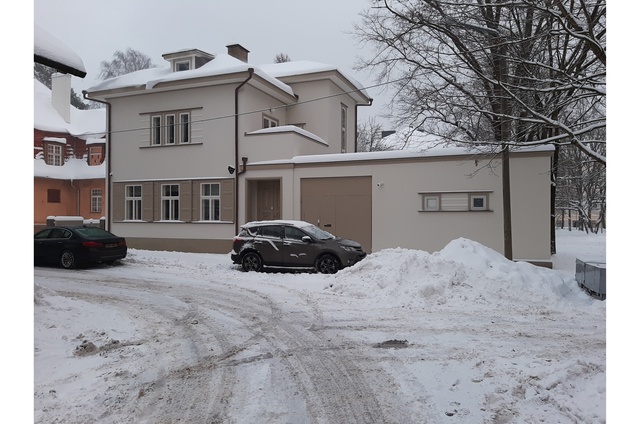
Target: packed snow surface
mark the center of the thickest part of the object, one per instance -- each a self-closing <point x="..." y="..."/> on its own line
<point x="461" y="335"/>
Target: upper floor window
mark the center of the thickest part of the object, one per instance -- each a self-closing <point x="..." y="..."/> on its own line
<point x="170" y="128"/>
<point x="184" y="65"/>
<point x="343" y="128"/>
<point x="170" y="202"/>
<point x="54" y="155"/>
<point x="268" y="122"/>
<point x="95" y="155"/>
<point x="133" y="202"/>
<point x="210" y="195"/>
<point x="184" y="127"/>
<point x="96" y="200"/>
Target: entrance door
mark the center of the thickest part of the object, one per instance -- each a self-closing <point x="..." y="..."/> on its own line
<point x="268" y="202"/>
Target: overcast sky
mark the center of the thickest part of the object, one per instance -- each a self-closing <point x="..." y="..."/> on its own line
<point x="303" y="29"/>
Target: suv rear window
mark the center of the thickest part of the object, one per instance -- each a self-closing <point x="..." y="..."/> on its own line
<point x="272" y="231"/>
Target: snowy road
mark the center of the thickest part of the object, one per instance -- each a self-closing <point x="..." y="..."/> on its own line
<point x="172" y="337"/>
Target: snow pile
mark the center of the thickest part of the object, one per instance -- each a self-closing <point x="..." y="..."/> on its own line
<point x="464" y="271"/>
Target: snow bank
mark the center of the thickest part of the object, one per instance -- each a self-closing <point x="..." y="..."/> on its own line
<point x="463" y="272"/>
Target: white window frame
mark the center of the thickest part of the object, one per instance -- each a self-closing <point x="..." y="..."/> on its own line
<point x="210" y="202"/>
<point x="133" y="202"/>
<point x="426" y="198"/>
<point x="343" y="127"/>
<point x="473" y="197"/>
<point x="170" y="202"/>
<point x="54" y="155"/>
<point x="156" y="130"/>
<point x="178" y="63"/>
<point x="269" y="122"/>
<point x="96" y="200"/>
<point x="170" y="128"/>
<point x="95" y="155"/>
<point x="185" y="127"/>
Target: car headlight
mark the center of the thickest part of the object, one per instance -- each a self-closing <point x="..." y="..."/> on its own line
<point x="348" y="248"/>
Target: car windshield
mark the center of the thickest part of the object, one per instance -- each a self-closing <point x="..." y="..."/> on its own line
<point x="318" y="233"/>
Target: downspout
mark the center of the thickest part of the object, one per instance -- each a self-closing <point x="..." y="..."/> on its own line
<point x="237" y="142"/>
<point x="108" y="158"/>
<point x="77" y="198"/>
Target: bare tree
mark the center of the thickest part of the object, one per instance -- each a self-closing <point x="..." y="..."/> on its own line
<point x="369" y="137"/>
<point x="124" y="63"/>
<point x="281" y="58"/>
<point x="503" y="71"/>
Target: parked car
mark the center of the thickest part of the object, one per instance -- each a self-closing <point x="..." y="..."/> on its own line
<point x="293" y="244"/>
<point x="72" y="247"/>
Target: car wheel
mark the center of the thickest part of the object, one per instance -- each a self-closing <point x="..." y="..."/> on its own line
<point x="67" y="259"/>
<point x="327" y="264"/>
<point x="251" y="261"/>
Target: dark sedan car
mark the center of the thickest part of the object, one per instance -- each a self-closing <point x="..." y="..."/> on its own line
<point x="78" y="246"/>
<point x="293" y="244"/>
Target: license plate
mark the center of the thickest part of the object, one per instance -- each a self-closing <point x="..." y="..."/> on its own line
<point x="109" y="245"/>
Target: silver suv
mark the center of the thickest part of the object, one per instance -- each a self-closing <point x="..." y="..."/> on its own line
<point x="293" y="244"/>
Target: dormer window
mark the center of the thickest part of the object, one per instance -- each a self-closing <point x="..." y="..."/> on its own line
<point x="184" y="65"/>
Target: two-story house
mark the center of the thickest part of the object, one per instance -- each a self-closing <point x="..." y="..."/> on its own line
<point x="210" y="141"/>
<point x="69" y="151"/>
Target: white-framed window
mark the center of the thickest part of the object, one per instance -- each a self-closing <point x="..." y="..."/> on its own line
<point x="133" y="202"/>
<point x="210" y="202"/>
<point x="95" y="155"/>
<point x="478" y="202"/>
<point x="183" y="65"/>
<point x="343" y="128"/>
<point x="269" y="122"/>
<point x="185" y="131"/>
<point x="96" y="200"/>
<point x="431" y="202"/>
<point x="455" y="201"/>
<point x="156" y="130"/>
<point x="170" y="199"/>
<point x="170" y="128"/>
<point x="54" y="154"/>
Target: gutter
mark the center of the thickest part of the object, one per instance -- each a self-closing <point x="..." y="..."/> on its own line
<point x="77" y="198"/>
<point x="236" y="153"/>
<point x="107" y="158"/>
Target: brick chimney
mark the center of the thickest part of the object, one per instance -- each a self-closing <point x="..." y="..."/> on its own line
<point x="239" y="52"/>
<point x="61" y="95"/>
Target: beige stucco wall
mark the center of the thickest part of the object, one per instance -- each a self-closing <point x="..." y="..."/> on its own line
<point x="397" y="219"/>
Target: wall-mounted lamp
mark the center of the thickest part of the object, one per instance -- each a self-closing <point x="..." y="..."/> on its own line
<point x="231" y="169"/>
<point x="380" y="184"/>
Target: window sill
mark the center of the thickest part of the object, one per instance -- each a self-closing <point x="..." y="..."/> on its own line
<point x="469" y="210"/>
<point x="156" y="146"/>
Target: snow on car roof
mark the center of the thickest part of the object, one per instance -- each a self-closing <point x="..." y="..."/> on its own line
<point x="292" y="222"/>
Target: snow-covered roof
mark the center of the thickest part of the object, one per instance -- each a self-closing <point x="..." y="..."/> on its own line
<point x="305" y="67"/>
<point x="72" y="169"/>
<point x="90" y="123"/>
<point x="289" y="128"/>
<point x="392" y="154"/>
<point x="222" y="64"/>
<point x="50" y="51"/>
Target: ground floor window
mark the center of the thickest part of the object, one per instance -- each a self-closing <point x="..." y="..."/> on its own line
<point x="170" y="202"/>
<point x="96" y="200"/>
<point x="53" y="195"/>
<point x="455" y="201"/>
<point x="133" y="202"/>
<point x="210" y="202"/>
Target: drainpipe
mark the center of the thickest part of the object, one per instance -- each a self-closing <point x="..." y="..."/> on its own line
<point x="237" y="140"/>
<point x="356" y="126"/>
<point x="108" y="157"/>
<point x="77" y="198"/>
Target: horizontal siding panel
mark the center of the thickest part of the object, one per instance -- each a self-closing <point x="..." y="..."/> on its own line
<point x="454" y="202"/>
